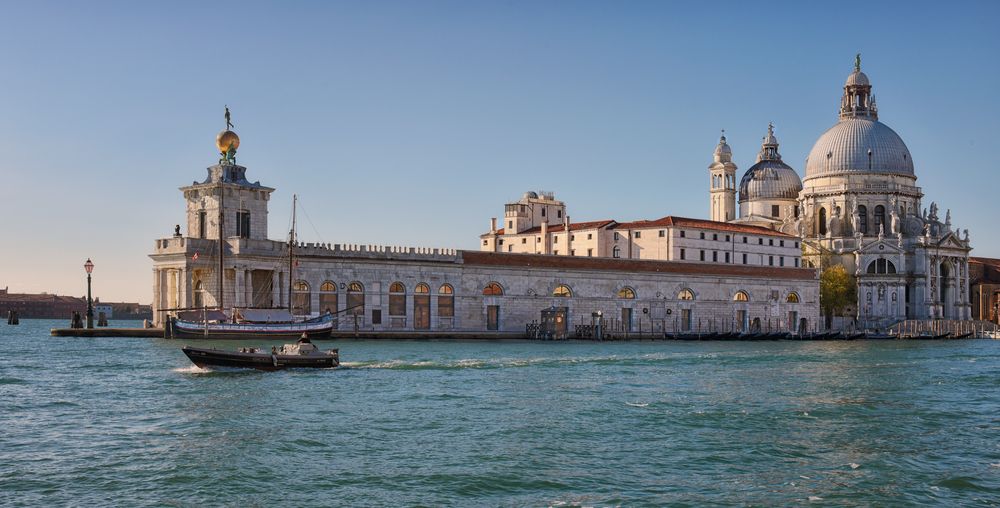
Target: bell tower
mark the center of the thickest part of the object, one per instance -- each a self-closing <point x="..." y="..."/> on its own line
<point x="722" y="189"/>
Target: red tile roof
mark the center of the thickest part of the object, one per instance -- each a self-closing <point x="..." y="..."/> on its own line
<point x="986" y="261"/>
<point x="632" y="265"/>
<point x="663" y="222"/>
<point x="685" y="222"/>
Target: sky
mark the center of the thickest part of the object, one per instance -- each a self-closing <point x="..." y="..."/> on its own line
<point x="412" y="123"/>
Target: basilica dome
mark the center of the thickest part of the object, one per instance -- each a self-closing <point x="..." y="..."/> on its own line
<point x="769" y="178"/>
<point x="859" y="142"/>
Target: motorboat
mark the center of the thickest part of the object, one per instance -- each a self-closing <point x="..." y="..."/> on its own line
<point x="301" y="354"/>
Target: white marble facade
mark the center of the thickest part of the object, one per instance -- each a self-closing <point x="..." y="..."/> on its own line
<point x="858" y="206"/>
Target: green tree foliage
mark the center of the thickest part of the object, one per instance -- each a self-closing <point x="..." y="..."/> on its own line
<point x="837" y="290"/>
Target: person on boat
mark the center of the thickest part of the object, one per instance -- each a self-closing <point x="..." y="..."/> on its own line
<point x="274" y="350"/>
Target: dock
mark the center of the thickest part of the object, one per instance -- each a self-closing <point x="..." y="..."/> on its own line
<point x="150" y="333"/>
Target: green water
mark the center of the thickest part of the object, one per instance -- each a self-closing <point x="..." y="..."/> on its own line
<point x="132" y="422"/>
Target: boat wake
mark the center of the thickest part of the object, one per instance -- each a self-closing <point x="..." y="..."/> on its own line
<point x="193" y="369"/>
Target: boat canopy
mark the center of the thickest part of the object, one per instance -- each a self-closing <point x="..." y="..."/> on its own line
<point x="203" y="315"/>
<point x="264" y="315"/>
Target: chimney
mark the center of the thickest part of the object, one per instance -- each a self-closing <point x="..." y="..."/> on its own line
<point x="493" y="225"/>
<point x="566" y="229"/>
<point x="545" y="237"/>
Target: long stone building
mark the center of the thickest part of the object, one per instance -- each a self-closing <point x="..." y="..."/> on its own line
<point x="666" y="275"/>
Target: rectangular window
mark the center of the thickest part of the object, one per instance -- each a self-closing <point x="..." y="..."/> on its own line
<point x="543" y="211"/>
<point x="781" y="261"/>
<point x="682" y="253"/>
<point x="686" y="320"/>
<point x="702" y="255"/>
<point x="555" y="253"/>
<point x="616" y="236"/>
<point x="638" y="234"/>
<point x="744" y="259"/>
<point x="760" y="241"/>
<point x="202" y="228"/>
<point x="376" y="316"/>
<point x="781" y="243"/>
<point x="500" y="241"/>
<point x="796" y="262"/>
<point x="662" y="233"/>
<point x="715" y="256"/>
<point x="744" y="239"/>
<point x="682" y="234"/>
<point x="702" y="235"/>
<point x="510" y="248"/>
<point x="590" y="253"/>
<point x="243" y="224"/>
<point x="572" y="252"/>
<point x="590" y="236"/>
<point x="485" y="242"/>
<point x="524" y="240"/>
<point x="559" y="214"/>
<point x="796" y="245"/>
<point x="572" y="238"/>
<point x="775" y="210"/>
<point x="715" y="237"/>
<point x="510" y="224"/>
<point x="770" y="260"/>
<point x="727" y="257"/>
<point x="727" y="238"/>
<point x="770" y="241"/>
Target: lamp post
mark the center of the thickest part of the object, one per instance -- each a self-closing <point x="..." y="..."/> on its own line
<point x="89" y="267"/>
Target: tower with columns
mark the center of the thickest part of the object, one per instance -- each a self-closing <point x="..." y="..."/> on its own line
<point x="722" y="191"/>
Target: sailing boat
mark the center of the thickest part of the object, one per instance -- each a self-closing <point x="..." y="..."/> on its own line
<point x="248" y="323"/>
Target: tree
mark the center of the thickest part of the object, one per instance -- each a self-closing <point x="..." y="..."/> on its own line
<point x="837" y="290"/>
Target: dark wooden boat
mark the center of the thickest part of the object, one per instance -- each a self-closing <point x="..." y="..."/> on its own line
<point x="302" y="354"/>
<point x="319" y="327"/>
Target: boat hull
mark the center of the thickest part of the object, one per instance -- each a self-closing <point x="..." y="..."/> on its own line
<point x="315" y="329"/>
<point x="261" y="361"/>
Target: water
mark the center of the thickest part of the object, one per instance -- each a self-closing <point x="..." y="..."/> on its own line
<point x="131" y="421"/>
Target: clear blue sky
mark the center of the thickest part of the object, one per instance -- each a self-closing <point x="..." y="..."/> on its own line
<point x="412" y="123"/>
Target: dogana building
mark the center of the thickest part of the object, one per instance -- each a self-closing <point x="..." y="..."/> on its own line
<point x="666" y="275"/>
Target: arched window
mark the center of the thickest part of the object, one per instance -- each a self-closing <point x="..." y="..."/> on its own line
<point x="879" y="216"/>
<point x="493" y="289"/>
<point x="863" y="220"/>
<point x="356" y="299"/>
<point x="562" y="291"/>
<point x="616" y="252"/>
<point x="328" y="297"/>
<point x="793" y="297"/>
<point x="199" y="295"/>
<point x="626" y="293"/>
<point x="397" y="299"/>
<point x="822" y="221"/>
<point x="880" y="266"/>
<point x="446" y="301"/>
<point x="741" y="296"/>
<point x="685" y="294"/>
<point x="421" y="307"/>
<point x="301" y="298"/>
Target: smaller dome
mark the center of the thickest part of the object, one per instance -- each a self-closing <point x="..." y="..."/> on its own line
<point x="770" y="179"/>
<point x="530" y="195"/>
<point x="723" y="147"/>
<point x="857" y="78"/>
<point x="225" y="139"/>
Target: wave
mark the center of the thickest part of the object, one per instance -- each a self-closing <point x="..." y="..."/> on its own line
<point x="637" y="404"/>
<point x="191" y="369"/>
<point x="12" y="381"/>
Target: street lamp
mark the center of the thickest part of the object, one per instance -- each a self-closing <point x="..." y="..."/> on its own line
<point x="89" y="267"/>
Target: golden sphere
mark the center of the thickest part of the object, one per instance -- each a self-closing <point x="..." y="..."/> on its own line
<point x="225" y="139"/>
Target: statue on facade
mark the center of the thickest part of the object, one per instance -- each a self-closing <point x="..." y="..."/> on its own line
<point x="857" y="62"/>
<point x="965" y="232"/>
<point x="229" y="122"/>
<point x="893" y="221"/>
<point x="881" y="232"/>
<point x="855" y="219"/>
<point x="947" y="218"/>
<point x="177" y="230"/>
<point x="934" y="211"/>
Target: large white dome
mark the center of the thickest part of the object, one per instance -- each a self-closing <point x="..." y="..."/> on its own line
<point x="859" y="145"/>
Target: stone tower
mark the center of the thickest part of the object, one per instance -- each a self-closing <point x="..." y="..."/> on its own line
<point x="722" y="192"/>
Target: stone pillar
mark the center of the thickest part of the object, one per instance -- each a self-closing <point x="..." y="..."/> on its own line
<point x="238" y="293"/>
<point x="183" y="288"/>
<point x="276" y="292"/>
<point x="157" y="305"/>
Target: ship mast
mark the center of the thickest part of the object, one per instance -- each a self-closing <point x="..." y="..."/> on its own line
<point x="291" y="252"/>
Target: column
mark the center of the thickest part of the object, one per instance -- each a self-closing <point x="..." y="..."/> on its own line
<point x="157" y="305"/>
<point x="238" y="292"/>
<point x="183" y="289"/>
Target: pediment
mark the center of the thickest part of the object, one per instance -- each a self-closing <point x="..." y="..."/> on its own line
<point x="951" y="241"/>
<point x="883" y="246"/>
